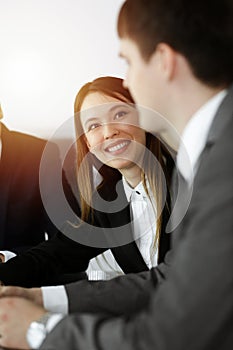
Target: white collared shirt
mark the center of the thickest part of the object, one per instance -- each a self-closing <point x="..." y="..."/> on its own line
<point x="143" y="215"/>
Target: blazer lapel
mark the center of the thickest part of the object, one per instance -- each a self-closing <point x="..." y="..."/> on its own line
<point x="127" y="254"/>
<point x="223" y="117"/>
<point x="220" y="123"/>
<point x="221" y="120"/>
<point x="129" y="258"/>
<point x="123" y="245"/>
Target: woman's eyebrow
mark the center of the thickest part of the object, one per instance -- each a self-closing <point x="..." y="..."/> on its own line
<point x="121" y="105"/>
<point x="90" y="120"/>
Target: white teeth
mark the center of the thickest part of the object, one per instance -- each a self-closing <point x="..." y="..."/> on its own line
<point x="117" y="147"/>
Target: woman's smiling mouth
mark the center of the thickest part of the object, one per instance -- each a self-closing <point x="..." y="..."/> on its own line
<point x="117" y="147"/>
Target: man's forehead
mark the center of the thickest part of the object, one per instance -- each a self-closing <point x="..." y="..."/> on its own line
<point x="126" y="46"/>
<point x="130" y="51"/>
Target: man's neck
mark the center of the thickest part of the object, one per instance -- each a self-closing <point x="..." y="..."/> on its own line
<point x="190" y="101"/>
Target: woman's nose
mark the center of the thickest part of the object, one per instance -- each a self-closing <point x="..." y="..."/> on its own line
<point x="110" y="130"/>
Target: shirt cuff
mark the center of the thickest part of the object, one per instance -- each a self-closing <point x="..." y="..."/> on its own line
<point x="7" y="254"/>
<point x="55" y="299"/>
<point x="53" y="321"/>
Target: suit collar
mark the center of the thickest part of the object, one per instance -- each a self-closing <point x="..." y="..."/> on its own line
<point x="195" y="136"/>
<point x="222" y="117"/>
<point x="220" y="123"/>
<point x="221" y="120"/>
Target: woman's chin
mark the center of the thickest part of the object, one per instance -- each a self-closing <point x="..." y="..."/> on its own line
<point x="118" y="163"/>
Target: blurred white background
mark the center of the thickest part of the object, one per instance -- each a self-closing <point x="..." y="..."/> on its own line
<point x="49" y="49"/>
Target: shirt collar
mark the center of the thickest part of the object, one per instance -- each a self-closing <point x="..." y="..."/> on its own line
<point x="195" y="136"/>
<point x="138" y="189"/>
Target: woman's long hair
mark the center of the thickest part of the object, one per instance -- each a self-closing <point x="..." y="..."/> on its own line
<point x="153" y="171"/>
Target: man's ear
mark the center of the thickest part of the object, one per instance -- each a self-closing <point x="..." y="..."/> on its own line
<point x="166" y="58"/>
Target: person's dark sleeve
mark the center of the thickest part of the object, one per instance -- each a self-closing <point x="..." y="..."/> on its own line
<point x="119" y="296"/>
<point x="45" y="263"/>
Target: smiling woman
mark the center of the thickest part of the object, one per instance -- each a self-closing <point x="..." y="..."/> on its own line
<point x="109" y="138"/>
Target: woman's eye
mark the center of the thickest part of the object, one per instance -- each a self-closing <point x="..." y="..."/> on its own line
<point x="120" y="114"/>
<point x="93" y="126"/>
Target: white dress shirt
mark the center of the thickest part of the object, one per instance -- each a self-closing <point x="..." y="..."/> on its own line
<point x="143" y="214"/>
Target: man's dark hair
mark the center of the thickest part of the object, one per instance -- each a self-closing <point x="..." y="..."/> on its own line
<point x="201" y="30"/>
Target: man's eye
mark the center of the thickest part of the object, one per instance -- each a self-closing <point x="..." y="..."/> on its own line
<point x="120" y="114"/>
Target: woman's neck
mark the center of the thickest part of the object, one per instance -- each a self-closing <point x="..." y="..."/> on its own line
<point x="132" y="175"/>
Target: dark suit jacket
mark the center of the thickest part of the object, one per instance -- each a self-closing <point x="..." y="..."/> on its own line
<point x="23" y="215"/>
<point x="192" y="306"/>
<point x="23" y="219"/>
<point x="44" y="264"/>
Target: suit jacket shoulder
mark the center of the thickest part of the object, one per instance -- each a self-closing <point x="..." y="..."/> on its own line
<point x="24" y="219"/>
